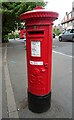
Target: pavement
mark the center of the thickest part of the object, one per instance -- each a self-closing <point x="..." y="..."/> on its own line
<point x="14" y="81"/>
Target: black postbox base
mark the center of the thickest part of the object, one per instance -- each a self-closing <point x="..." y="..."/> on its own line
<point x="39" y="104"/>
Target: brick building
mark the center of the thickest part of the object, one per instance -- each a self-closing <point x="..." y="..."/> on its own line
<point x="68" y="20"/>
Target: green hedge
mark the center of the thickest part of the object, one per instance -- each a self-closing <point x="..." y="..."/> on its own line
<point x="56" y="31"/>
<point x="16" y="35"/>
<point x="5" y="38"/>
<point x="13" y="36"/>
<point x="9" y="36"/>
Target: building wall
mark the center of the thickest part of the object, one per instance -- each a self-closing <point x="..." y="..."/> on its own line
<point x="68" y="20"/>
<point x="73" y="13"/>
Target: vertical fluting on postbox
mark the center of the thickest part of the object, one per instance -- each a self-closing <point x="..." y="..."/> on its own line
<point x="38" y="24"/>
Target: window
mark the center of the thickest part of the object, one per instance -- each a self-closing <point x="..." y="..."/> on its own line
<point x="72" y="31"/>
<point x="73" y="8"/>
<point x="68" y="31"/>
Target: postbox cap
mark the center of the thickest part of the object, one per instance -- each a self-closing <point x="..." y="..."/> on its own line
<point x="38" y="12"/>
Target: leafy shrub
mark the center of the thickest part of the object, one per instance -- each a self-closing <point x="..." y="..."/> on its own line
<point x="13" y="36"/>
<point x="56" y="31"/>
<point x="5" y="38"/>
<point x="17" y="35"/>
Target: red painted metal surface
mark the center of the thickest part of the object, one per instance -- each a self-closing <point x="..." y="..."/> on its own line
<point x="22" y="34"/>
<point x="39" y="49"/>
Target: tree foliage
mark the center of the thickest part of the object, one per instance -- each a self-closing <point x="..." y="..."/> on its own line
<point x="56" y="30"/>
<point x="11" y="12"/>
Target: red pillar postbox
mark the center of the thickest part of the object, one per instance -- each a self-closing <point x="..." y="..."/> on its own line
<point x="39" y="57"/>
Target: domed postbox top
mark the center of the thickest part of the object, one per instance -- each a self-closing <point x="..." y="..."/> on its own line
<point x="39" y="12"/>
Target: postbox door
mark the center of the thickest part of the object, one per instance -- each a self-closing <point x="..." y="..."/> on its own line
<point x="39" y="61"/>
